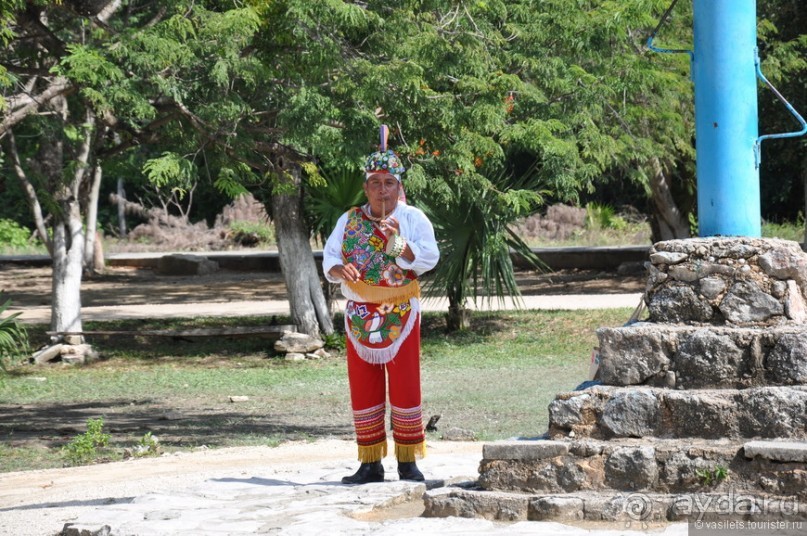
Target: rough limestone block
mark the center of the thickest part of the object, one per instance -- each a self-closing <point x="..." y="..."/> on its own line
<point x="632" y="413"/>
<point x="795" y="307"/>
<point x="708" y="359"/>
<point x="495" y="506"/>
<point x="680" y="472"/>
<point x="746" y="302"/>
<point x="184" y="264"/>
<point x="567" y="412"/>
<point x="524" y="450"/>
<point x="299" y="343"/>
<point x="679" y="303"/>
<point x="631" y="468"/>
<point x="556" y="509"/>
<point x="700" y="414"/>
<point x="777" y="412"/>
<point x="786" y="363"/>
<point x="47" y="354"/>
<point x="779" y="451"/>
<point x="630" y="356"/>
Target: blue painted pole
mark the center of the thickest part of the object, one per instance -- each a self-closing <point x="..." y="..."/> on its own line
<point x="726" y="117"/>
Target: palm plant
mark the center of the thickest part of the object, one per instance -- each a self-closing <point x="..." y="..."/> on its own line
<point x="13" y="337"/>
<point x="472" y="220"/>
<point x="329" y="198"/>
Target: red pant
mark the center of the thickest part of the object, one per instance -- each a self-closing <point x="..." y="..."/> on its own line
<point x="368" y="395"/>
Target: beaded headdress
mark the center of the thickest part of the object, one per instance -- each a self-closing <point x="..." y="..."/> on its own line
<point x="384" y="160"/>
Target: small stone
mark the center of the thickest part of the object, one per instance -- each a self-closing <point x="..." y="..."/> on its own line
<point x="300" y="343"/>
<point x="668" y="257"/>
<point x="72" y="359"/>
<point x="458" y="434"/>
<point x="73" y="339"/>
<point x="239" y="398"/>
<point x="47" y="354"/>
<point x="295" y="356"/>
<point x="71" y="529"/>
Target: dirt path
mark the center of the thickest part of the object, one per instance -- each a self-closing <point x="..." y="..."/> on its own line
<point x="120" y="285"/>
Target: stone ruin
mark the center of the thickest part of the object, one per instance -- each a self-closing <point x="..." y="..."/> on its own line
<point x="701" y="413"/>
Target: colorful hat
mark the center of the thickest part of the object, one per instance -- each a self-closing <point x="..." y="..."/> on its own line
<point x="384" y="160"/>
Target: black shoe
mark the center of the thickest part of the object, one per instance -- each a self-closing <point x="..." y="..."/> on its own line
<point x="368" y="472"/>
<point x="409" y="471"/>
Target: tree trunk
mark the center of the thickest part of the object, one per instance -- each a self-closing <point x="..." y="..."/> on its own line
<point x="92" y="243"/>
<point x="309" y="310"/>
<point x="68" y="256"/>
<point x="68" y="241"/>
<point x="458" y="318"/>
<point x="121" y="209"/>
<point x="669" y="222"/>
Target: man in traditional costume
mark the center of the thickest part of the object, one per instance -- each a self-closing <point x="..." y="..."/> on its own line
<point x="377" y="251"/>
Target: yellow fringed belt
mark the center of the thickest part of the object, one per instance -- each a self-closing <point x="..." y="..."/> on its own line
<point x="377" y="294"/>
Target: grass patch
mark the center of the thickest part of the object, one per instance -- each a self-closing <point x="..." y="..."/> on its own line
<point x="495" y="381"/>
<point x="784" y="231"/>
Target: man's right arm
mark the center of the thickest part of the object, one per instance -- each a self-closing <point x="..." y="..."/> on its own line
<point x="332" y="252"/>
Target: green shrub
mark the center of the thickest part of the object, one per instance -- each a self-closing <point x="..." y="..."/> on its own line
<point x="84" y="448"/>
<point x="252" y="234"/>
<point x="149" y="445"/>
<point x="13" y="339"/>
<point x="603" y="217"/>
<point x="13" y="235"/>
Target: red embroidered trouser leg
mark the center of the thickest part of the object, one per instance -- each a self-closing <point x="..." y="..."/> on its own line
<point x="368" y="398"/>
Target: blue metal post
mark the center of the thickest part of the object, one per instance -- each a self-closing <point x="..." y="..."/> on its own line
<point x="726" y="124"/>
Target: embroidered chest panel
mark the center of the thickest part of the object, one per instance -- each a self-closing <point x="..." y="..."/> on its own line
<point x="364" y="246"/>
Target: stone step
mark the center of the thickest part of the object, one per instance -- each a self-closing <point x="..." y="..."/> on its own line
<point x="649" y="465"/>
<point x="608" y="412"/>
<point x="756" y="511"/>
<point x="696" y="357"/>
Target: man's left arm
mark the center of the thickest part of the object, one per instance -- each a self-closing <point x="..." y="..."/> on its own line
<point x="421" y="253"/>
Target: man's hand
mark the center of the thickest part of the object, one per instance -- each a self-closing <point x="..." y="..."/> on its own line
<point x="390" y="227"/>
<point x="348" y="272"/>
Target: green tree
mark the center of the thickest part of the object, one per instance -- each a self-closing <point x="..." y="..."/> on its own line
<point x="782" y="33"/>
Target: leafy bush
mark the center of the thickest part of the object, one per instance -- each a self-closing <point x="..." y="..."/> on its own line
<point x="252" y="234"/>
<point x="334" y="341"/>
<point x="13" y="338"/>
<point x="603" y="217"/>
<point x="149" y="445"/>
<point x="13" y="235"/>
<point x="83" y="448"/>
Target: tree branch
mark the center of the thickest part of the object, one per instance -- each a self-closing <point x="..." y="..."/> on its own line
<point x="58" y="88"/>
<point x="29" y="190"/>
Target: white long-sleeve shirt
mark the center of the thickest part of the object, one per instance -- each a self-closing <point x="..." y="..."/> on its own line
<point x="415" y="227"/>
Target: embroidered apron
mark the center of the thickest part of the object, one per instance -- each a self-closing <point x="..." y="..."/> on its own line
<point x="380" y="322"/>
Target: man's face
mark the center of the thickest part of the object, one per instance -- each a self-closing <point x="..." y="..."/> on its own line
<point x="381" y="190"/>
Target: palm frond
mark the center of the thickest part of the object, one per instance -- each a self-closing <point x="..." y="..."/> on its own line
<point x="341" y="190"/>
<point x="475" y="240"/>
<point x="13" y="337"/>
